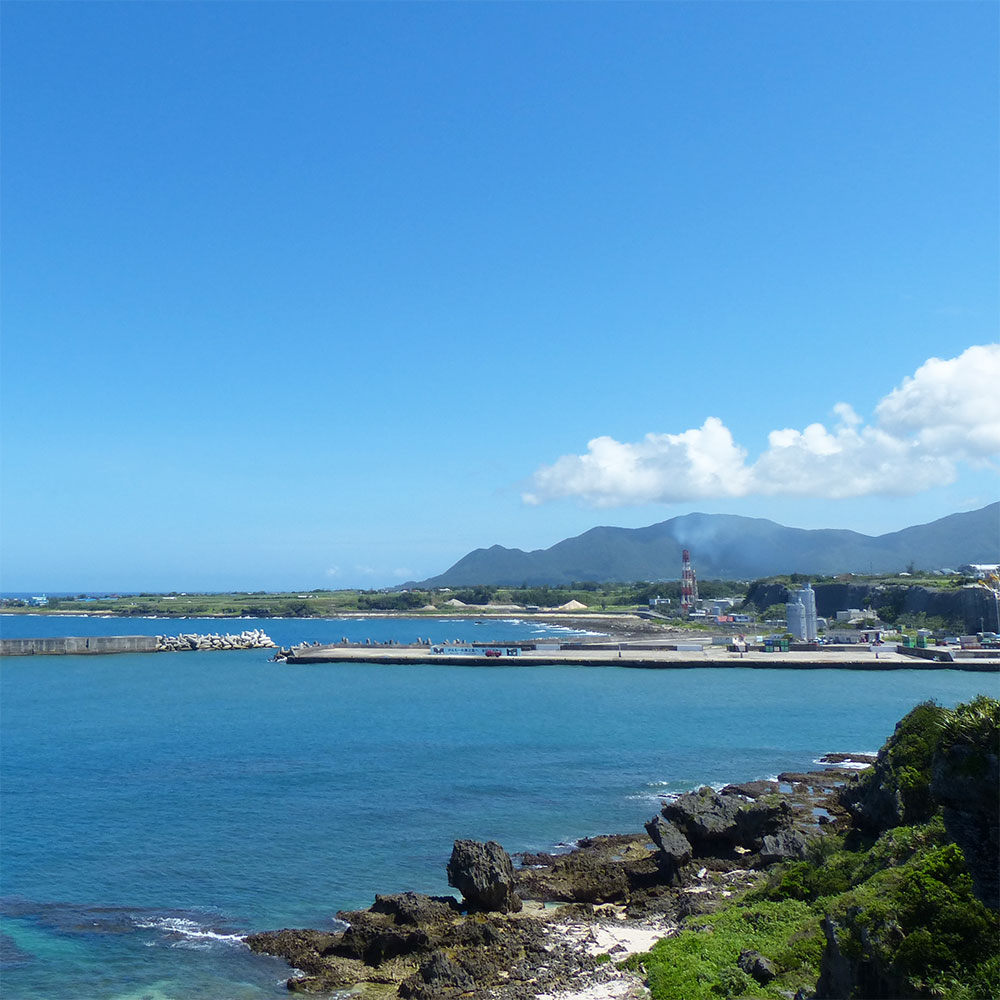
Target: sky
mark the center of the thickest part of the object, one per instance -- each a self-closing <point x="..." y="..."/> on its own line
<point x="321" y="295"/>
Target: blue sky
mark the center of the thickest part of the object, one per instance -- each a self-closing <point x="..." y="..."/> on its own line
<point x="307" y="295"/>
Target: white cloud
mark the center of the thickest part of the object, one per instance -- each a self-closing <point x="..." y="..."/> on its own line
<point x="699" y="463"/>
<point x="952" y="408"/>
<point x="946" y="413"/>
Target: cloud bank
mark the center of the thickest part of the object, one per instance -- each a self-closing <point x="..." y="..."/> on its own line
<point x="946" y="413"/>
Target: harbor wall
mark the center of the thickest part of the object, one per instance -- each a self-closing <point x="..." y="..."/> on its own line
<point x="79" y="644"/>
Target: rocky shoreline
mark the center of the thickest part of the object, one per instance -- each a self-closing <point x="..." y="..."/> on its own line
<point x="558" y="924"/>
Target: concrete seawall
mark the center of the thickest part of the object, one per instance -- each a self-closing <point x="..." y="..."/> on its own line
<point x="663" y="659"/>
<point x="77" y="644"/>
<point x="102" y="644"/>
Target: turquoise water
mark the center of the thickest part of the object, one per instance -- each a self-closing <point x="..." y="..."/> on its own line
<point x="154" y="807"/>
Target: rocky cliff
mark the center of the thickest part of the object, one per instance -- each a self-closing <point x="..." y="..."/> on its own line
<point x="971" y="607"/>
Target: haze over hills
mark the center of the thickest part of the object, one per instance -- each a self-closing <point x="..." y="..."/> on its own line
<point x="727" y="546"/>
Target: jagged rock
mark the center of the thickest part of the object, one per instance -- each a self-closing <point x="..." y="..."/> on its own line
<point x="375" y="941"/>
<point x="713" y="822"/>
<point x="484" y="875"/>
<point x="705" y="816"/>
<point x="753" y="963"/>
<point x="783" y="845"/>
<point x="836" y="978"/>
<point x="674" y="848"/>
<point x="854" y="971"/>
<point x="313" y="952"/>
<point x="896" y="789"/>
<point x="405" y="923"/>
<point x="414" y="908"/>
<point x="752" y="789"/>
<point x="579" y="878"/>
<point x="602" y="869"/>
<point x="438" y="974"/>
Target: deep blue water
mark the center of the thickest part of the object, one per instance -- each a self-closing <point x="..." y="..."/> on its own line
<point x="156" y="806"/>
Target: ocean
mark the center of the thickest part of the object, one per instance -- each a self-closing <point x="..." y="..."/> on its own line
<point x="155" y="807"/>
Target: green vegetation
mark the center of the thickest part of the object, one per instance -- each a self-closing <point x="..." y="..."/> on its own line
<point x="910" y="577"/>
<point x="700" y="962"/>
<point x="898" y="899"/>
<point x="611" y="597"/>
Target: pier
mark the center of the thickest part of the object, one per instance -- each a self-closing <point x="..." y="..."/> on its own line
<point x="646" y="655"/>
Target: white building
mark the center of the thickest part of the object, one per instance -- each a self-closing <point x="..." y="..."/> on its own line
<point x="850" y="615"/>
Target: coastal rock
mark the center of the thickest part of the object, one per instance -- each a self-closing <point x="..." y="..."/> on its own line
<point x="313" y="953"/>
<point x="851" y="966"/>
<point x="674" y="848"/>
<point x="438" y="976"/>
<point x="374" y="938"/>
<point x="783" y="845"/>
<point x="484" y="875"/>
<point x="579" y="878"/>
<point x="423" y="948"/>
<point x="705" y="817"/>
<point x="713" y="822"/>
<point x="753" y="963"/>
<point x="606" y="869"/>
<point x="752" y="789"/>
<point x="413" y="908"/>
<point x="896" y="789"/>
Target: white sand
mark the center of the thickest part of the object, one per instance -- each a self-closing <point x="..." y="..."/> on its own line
<point x="618" y="939"/>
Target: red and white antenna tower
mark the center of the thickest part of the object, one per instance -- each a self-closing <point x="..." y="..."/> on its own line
<point x="689" y="584"/>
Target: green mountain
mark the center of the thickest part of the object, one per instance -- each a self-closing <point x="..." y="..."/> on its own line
<point x="726" y="546"/>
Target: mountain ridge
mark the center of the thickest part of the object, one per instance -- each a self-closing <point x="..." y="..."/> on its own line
<point x="730" y="546"/>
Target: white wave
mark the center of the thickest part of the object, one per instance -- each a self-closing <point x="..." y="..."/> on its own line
<point x="849" y="764"/>
<point x="189" y="931"/>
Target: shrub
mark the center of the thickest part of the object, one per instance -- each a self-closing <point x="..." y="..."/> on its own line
<point x="700" y="962"/>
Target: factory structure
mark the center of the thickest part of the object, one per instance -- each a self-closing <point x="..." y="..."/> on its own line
<point x="800" y="614"/>
<point x="689" y="585"/>
<point x="803" y="623"/>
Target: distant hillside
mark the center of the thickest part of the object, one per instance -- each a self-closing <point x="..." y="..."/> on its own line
<point x="728" y="547"/>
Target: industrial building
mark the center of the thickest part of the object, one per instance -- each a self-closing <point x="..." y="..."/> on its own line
<point x="800" y="614"/>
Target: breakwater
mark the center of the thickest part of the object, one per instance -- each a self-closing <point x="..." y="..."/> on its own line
<point x="97" y="645"/>
<point x="248" y="639"/>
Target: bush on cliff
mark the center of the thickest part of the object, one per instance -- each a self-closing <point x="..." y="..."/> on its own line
<point x="918" y="925"/>
<point x="896" y="790"/>
<point x="889" y="910"/>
